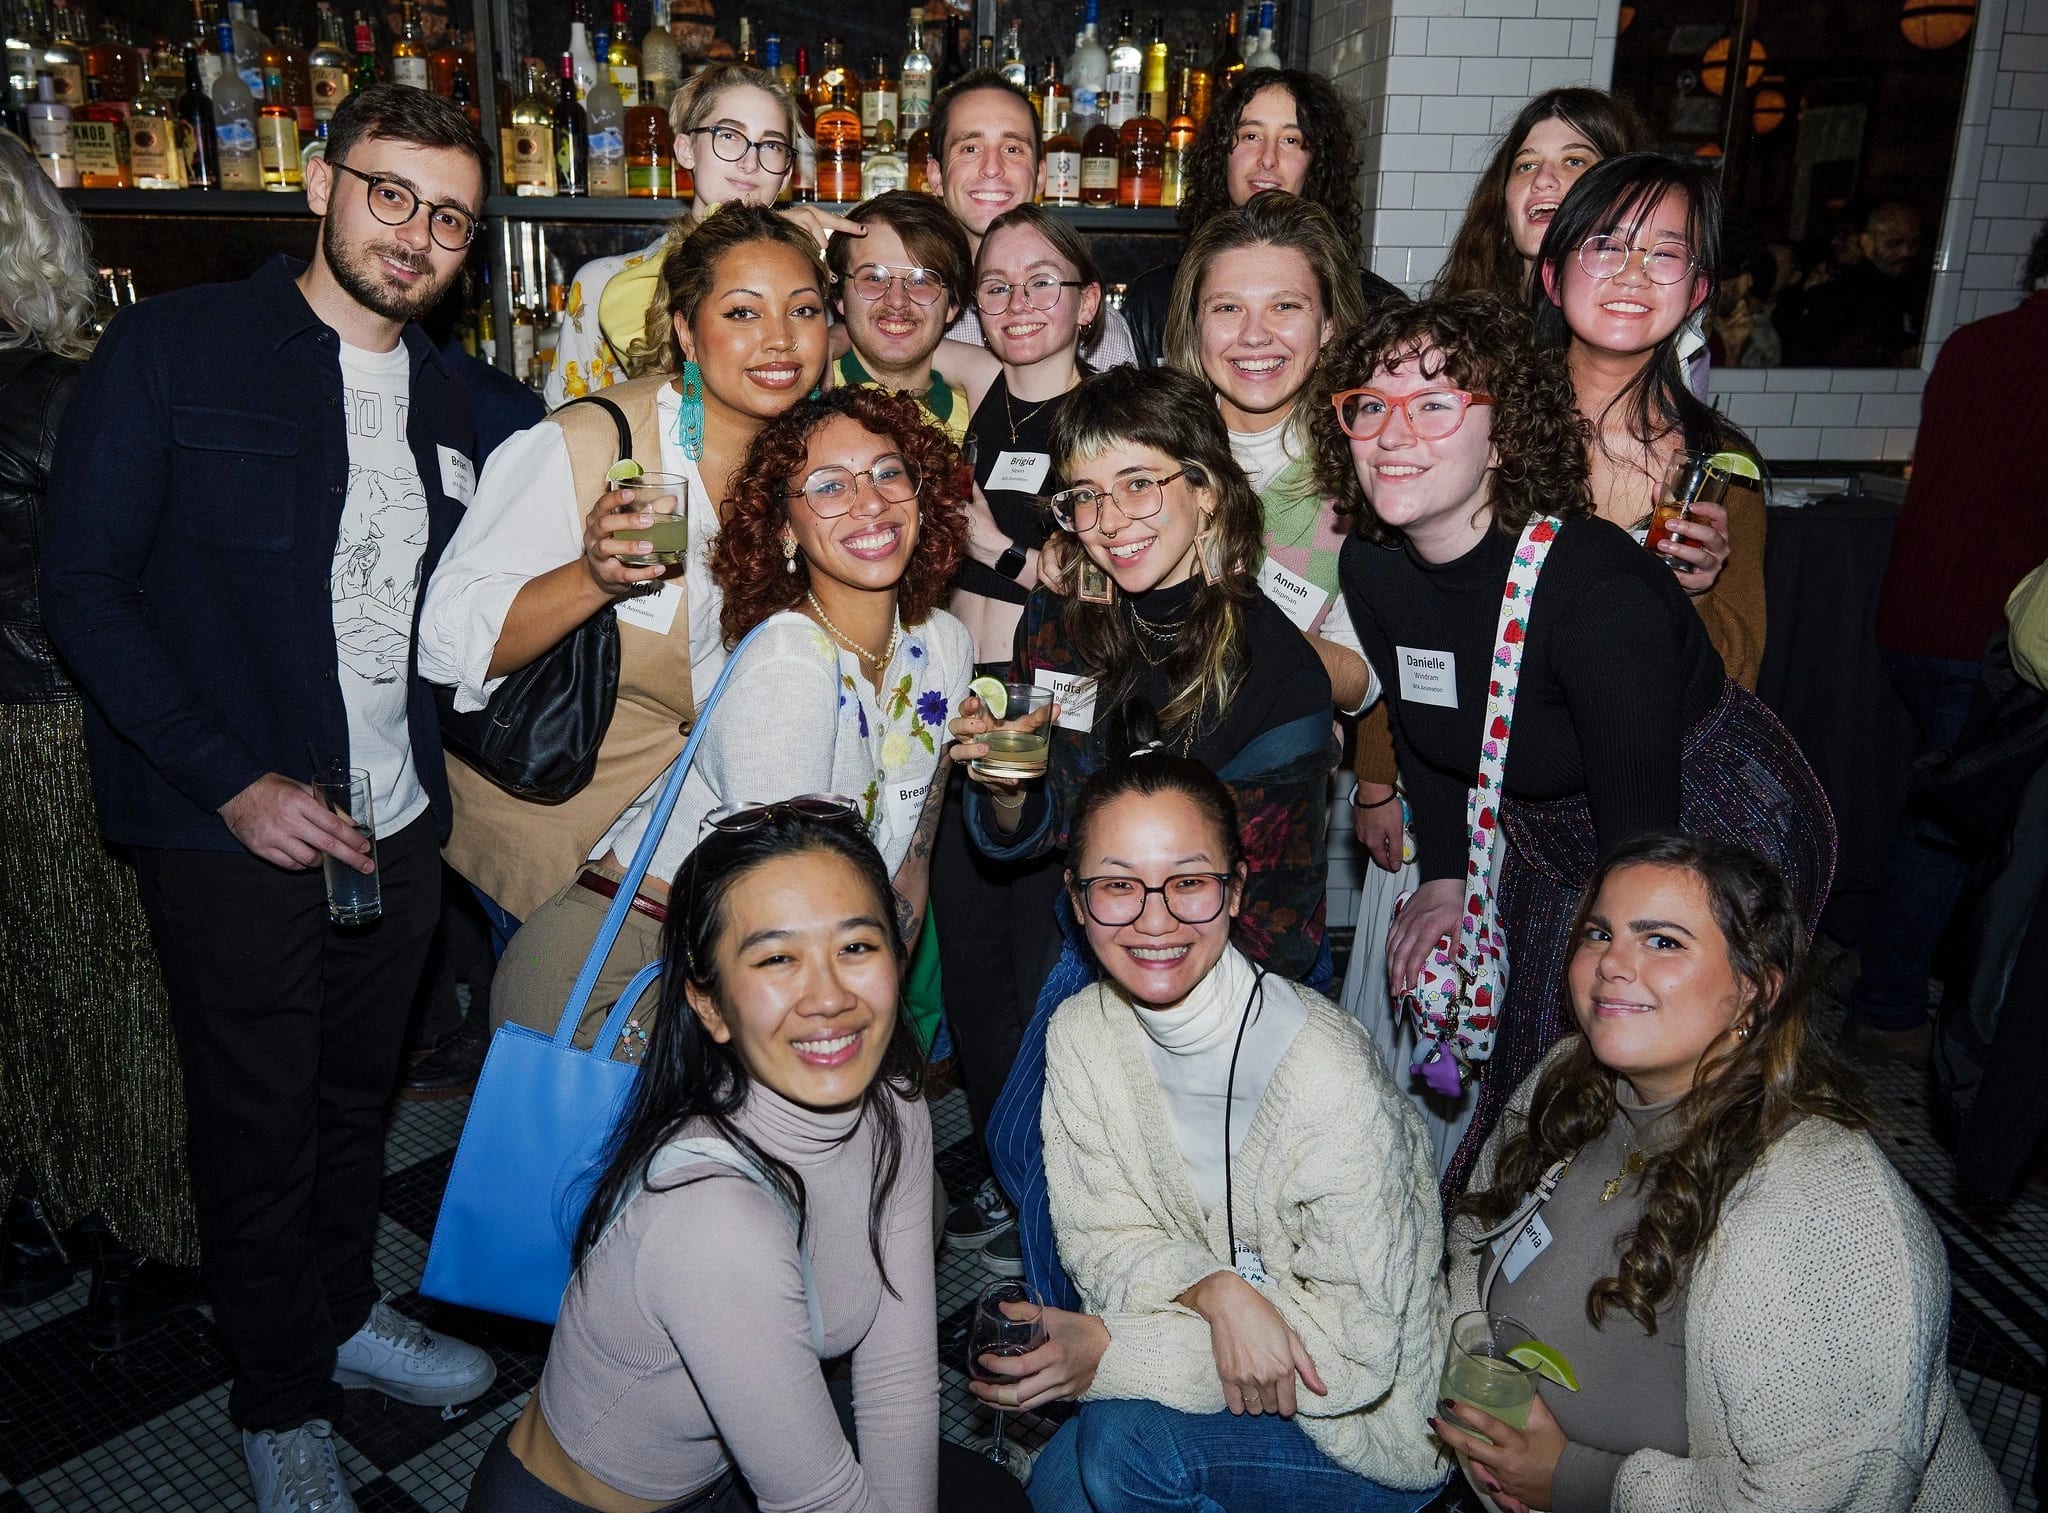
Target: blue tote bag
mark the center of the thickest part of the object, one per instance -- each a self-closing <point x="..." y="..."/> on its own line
<point x="540" y="1117"/>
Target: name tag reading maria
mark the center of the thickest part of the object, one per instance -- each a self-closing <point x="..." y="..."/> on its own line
<point x="1428" y="677"/>
<point x="1528" y="1243"/>
<point x="1300" y="600"/>
<point x="1020" y="472"/>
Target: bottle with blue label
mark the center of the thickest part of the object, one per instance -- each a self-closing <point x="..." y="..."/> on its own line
<point x="234" y="120"/>
<point x="1088" y="73"/>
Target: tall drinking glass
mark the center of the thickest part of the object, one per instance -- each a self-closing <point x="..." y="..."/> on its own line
<point x="665" y="496"/>
<point x="1477" y="1371"/>
<point x="353" y="898"/>
<point x="1009" y="1321"/>
<point x="1014" y="752"/>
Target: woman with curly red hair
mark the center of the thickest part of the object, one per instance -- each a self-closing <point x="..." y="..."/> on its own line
<point x="1461" y="451"/>
<point x="843" y="527"/>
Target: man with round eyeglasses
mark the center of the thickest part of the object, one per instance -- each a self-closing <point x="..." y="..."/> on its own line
<point x="253" y="484"/>
<point x="896" y="289"/>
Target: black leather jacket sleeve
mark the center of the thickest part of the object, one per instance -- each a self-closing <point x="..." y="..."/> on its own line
<point x="35" y="387"/>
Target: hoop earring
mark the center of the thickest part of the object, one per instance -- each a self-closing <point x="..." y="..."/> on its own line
<point x="789" y="555"/>
<point x="1094" y="585"/>
<point x="1742" y="1031"/>
<point x="690" y="413"/>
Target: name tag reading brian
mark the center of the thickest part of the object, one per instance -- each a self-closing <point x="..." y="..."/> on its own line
<point x="1019" y="472"/>
<point x="1300" y="600"/>
<point x="1428" y="677"/>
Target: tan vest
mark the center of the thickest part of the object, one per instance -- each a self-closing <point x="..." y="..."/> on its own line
<point x="522" y="853"/>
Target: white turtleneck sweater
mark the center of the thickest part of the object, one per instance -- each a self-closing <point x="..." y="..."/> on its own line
<point x="1189" y="1048"/>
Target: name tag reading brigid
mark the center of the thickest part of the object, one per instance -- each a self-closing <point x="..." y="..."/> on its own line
<point x="1019" y="472"/>
<point x="1428" y="677"/>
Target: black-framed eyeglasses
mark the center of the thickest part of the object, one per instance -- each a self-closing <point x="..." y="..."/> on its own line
<point x="394" y="203"/>
<point x="872" y="280"/>
<point x="831" y="491"/>
<point x="1138" y="498"/>
<point x="992" y="296"/>
<point x="1608" y="257"/>
<point x="1193" y="898"/>
<point x="733" y="146"/>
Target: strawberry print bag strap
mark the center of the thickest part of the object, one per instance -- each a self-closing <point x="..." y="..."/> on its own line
<point x="1465" y="978"/>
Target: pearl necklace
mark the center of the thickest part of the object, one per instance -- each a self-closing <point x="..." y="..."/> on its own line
<point x="876" y="662"/>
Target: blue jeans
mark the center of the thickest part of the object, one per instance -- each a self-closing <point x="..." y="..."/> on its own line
<point x="1120" y="1456"/>
<point x="1923" y="873"/>
<point x="503" y="926"/>
<point x="1015" y="1141"/>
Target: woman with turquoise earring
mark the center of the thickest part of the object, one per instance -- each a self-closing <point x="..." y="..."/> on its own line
<point x="547" y="543"/>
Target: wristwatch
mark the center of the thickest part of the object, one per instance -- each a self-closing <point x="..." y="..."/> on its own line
<point x="1011" y="563"/>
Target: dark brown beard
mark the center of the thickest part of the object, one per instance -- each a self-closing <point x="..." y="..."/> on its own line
<point x="370" y="291"/>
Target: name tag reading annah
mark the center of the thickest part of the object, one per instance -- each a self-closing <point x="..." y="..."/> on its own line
<point x="1428" y="677"/>
<point x="1300" y="600"/>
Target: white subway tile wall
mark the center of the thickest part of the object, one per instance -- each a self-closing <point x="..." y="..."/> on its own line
<point x="1437" y="79"/>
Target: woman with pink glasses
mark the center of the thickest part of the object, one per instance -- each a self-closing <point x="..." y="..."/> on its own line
<point x="1453" y="441"/>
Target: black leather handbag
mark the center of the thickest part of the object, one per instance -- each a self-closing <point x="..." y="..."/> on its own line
<point x="539" y="735"/>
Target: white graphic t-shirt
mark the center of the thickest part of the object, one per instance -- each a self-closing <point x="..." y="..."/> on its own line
<point x="376" y="579"/>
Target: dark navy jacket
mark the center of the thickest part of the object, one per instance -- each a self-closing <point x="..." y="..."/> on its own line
<point x="195" y="504"/>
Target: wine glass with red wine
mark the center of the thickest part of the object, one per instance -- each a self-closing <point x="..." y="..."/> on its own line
<point x="1008" y="1321"/>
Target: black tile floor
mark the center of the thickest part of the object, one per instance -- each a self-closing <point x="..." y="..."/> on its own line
<point x="149" y="1430"/>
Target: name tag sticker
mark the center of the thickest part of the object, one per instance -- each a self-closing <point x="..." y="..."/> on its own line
<point x="1300" y="600"/>
<point x="1075" y="696"/>
<point x="1250" y="1264"/>
<point x="1428" y="677"/>
<point x="655" y="612"/>
<point x="1021" y="472"/>
<point x="911" y="798"/>
<point x="1529" y="1243"/>
<point x="458" y="475"/>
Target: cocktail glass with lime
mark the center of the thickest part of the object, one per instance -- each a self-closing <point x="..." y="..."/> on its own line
<point x="1020" y="744"/>
<point x="665" y="496"/>
<point x="1492" y="1363"/>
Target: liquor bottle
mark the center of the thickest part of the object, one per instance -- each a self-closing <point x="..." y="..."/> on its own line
<point x="1088" y="74"/>
<point x="878" y="98"/>
<point x="1228" y="63"/>
<point x="328" y="64"/>
<point x="622" y="58"/>
<point x="833" y="75"/>
<point x="523" y="329"/>
<point x="64" y="62"/>
<point x="1100" y="152"/>
<point x="806" y="133"/>
<point x="277" y="140"/>
<point x="196" y="136"/>
<point x="650" y="173"/>
<point x="154" y="161"/>
<point x="313" y="147"/>
<point x="1055" y="105"/>
<point x="23" y="47"/>
<point x="1195" y="87"/>
<point x="838" y="130"/>
<point x="234" y="120"/>
<point x="1153" y="102"/>
<point x="914" y="83"/>
<point x="99" y="142"/>
<point x="409" y="51"/>
<point x="948" y="66"/>
<point x="1062" y="161"/>
<point x="463" y="98"/>
<point x="916" y="153"/>
<point x="114" y="63"/>
<point x="1263" y="53"/>
<point x="749" y="54"/>
<point x="1013" y="66"/>
<point x="202" y="47"/>
<point x="1126" y="73"/>
<point x="570" y="133"/>
<point x="286" y="80"/>
<point x="882" y="167"/>
<point x="778" y="62"/>
<point x="249" y="44"/>
<point x="661" y="64"/>
<point x="1140" y="143"/>
<point x="49" y="133"/>
<point x="366" y="55"/>
<point x="527" y="146"/>
<point x="606" y="114"/>
<point x="169" y="63"/>
<point x="583" y="58"/>
<point x="1180" y="141"/>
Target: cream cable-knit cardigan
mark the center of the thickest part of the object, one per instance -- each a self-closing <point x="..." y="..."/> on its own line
<point x="1335" y="1188"/>
<point x="1816" y="1343"/>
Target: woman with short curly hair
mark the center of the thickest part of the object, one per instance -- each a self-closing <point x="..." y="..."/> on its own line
<point x="1448" y="433"/>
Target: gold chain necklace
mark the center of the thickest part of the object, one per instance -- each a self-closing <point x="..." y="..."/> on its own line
<point x="1631" y="1166"/>
<point x="1010" y="415"/>
<point x="876" y="662"/>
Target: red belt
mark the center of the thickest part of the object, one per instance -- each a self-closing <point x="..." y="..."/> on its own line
<point x="598" y="883"/>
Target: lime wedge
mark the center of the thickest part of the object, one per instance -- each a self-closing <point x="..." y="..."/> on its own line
<point x="995" y="699"/>
<point x="1547" y="1361"/>
<point x="622" y="473"/>
<point x="1741" y="464"/>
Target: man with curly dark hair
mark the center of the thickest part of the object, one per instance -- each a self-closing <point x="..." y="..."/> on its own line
<point x="1275" y="128"/>
<point x="1449" y="433"/>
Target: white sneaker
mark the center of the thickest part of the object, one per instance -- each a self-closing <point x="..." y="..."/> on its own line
<point x="399" y="1358"/>
<point x="296" y="1470"/>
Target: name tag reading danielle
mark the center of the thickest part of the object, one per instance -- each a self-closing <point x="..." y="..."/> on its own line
<point x="1428" y="677"/>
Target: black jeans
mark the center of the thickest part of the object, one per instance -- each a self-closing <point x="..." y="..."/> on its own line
<point x="289" y="1032"/>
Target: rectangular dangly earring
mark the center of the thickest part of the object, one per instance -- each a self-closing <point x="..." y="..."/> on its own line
<point x="1209" y="557"/>
<point x="1094" y="585"/>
